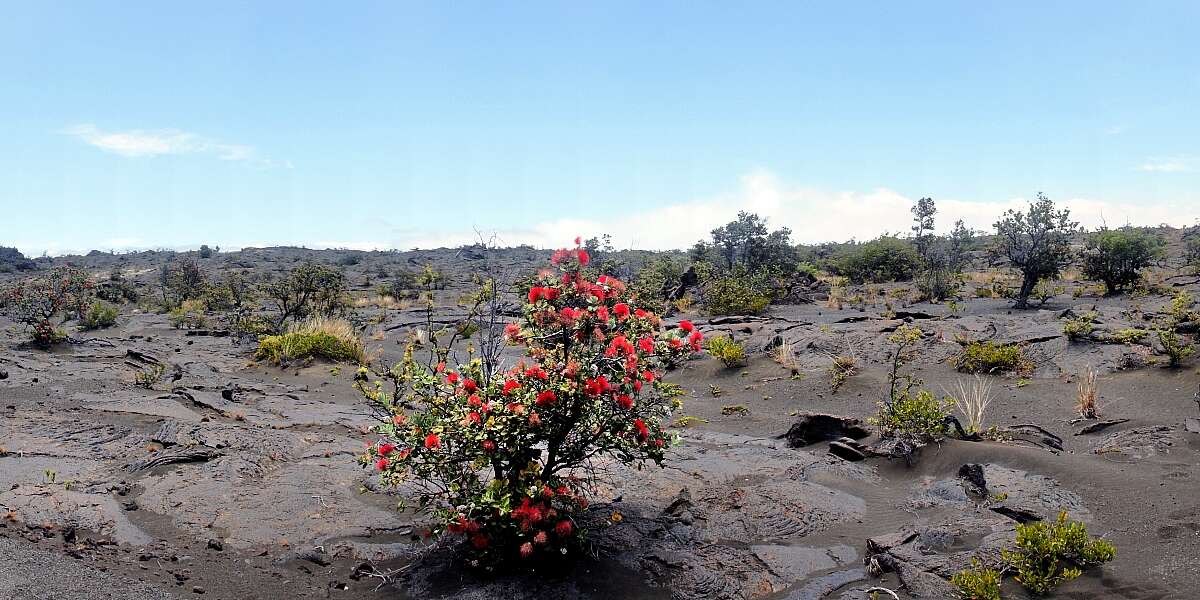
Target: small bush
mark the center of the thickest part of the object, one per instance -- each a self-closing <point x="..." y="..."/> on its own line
<point x="734" y="295"/>
<point x="316" y="337"/>
<point x="920" y="415"/>
<point x="205" y="251"/>
<point x="188" y="315"/>
<point x="1045" y="550"/>
<point x="977" y="583"/>
<point x="1129" y="335"/>
<point x="149" y="377"/>
<point x="181" y="281"/>
<point x="1077" y="328"/>
<point x="988" y="357"/>
<point x="879" y="261"/>
<point x="727" y="350"/>
<point x="1174" y="346"/>
<point x="101" y="315"/>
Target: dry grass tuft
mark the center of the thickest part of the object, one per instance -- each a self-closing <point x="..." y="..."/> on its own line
<point x="972" y="401"/>
<point x="1085" y="400"/>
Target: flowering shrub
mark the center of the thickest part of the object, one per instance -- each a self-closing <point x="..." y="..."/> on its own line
<point x="504" y="457"/>
<point x="35" y="302"/>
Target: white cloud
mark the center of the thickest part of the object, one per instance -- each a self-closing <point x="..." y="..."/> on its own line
<point x="813" y="215"/>
<point x="141" y="143"/>
<point x="1173" y="164"/>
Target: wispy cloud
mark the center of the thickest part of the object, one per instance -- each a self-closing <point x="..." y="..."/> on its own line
<point x="149" y="143"/>
<point x="1171" y="164"/>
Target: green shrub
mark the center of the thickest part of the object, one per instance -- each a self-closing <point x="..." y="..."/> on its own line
<point x="1116" y="257"/>
<point x="734" y="295"/>
<point x="149" y="377"/>
<point x="658" y="279"/>
<point x="101" y="315"/>
<point x="727" y="350"/>
<point x="1130" y="335"/>
<point x="919" y="414"/>
<point x="188" y="315"/>
<point x="1050" y="553"/>
<point x="879" y="261"/>
<point x="988" y="357"/>
<point x="1174" y="346"/>
<point x="1077" y="328"/>
<point x="977" y="583"/>
<point x="1192" y="253"/>
<point x="317" y="337"/>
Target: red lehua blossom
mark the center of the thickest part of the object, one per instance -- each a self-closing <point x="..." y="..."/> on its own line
<point x="534" y="419"/>
<point x="470" y="385"/>
<point x="639" y="313"/>
<point x="578" y="239"/>
<point x="637" y="386"/>
<point x="536" y="293"/>
<point x="441" y="367"/>
<point x="676" y="343"/>
<point x="643" y="432"/>
<point x="432" y="441"/>
<point x="400" y="419"/>
<point x="658" y="443"/>
<point x="648" y="375"/>
<point x="515" y="408"/>
<point x="559" y="256"/>
<point x="474" y="401"/>
<point x="386" y="448"/>
<point x="695" y="340"/>
<point x="510" y="386"/>
<point x="686" y="326"/>
<point x="512" y="331"/>
<point x="602" y="313"/>
<point x="526" y="550"/>
<point x="584" y="257"/>
<point x="550" y="293"/>
<point x="625" y="401"/>
<point x="621" y="309"/>
<point x="489" y="446"/>
<point x="480" y="541"/>
<point x="646" y="345"/>
<point x="474" y="418"/>
<point x="546" y="397"/>
<point x="563" y="528"/>
<point x="540" y="538"/>
<point x="382" y="464"/>
<point x="452" y="378"/>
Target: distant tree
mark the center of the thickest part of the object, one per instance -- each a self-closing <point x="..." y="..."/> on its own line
<point x="205" y="251"/>
<point x="307" y="290"/>
<point x="1037" y="243"/>
<point x="881" y="260"/>
<point x="941" y="258"/>
<point x="182" y="280"/>
<point x="1116" y="257"/>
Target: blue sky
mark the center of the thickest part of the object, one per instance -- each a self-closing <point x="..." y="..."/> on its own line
<point x="394" y="125"/>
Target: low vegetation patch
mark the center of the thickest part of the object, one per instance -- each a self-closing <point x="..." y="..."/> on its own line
<point x="100" y="316"/>
<point x="1050" y="553"/>
<point x="977" y="583"/>
<point x="728" y="351"/>
<point x="317" y="337"/>
<point x="1077" y="328"/>
<point x="989" y="357"/>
